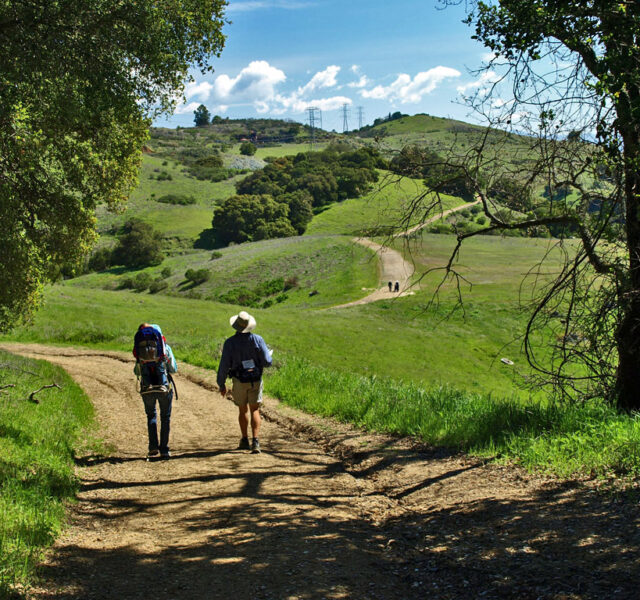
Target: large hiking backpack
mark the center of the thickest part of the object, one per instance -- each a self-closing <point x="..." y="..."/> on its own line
<point x="149" y="345"/>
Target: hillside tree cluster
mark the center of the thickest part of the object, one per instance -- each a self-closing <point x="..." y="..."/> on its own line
<point x="279" y="200"/>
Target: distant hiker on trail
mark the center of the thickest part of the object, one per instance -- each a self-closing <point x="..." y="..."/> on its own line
<point x="396" y="287"/>
<point x="154" y="365"/>
<point x="244" y="356"/>
<point x="390" y="286"/>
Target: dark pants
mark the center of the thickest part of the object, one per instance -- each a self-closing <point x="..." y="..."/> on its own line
<point x="164" y="400"/>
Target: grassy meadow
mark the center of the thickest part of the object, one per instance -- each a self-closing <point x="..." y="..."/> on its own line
<point x="38" y="442"/>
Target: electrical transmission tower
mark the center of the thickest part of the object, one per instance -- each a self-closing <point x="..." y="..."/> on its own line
<point x="315" y="118"/>
<point x="360" y="117"/>
<point x="345" y="115"/>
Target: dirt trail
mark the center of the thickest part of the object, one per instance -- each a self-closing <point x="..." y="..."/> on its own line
<point x="393" y="266"/>
<point x="324" y="512"/>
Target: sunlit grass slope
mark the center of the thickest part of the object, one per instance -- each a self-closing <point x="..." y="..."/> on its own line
<point x="381" y="208"/>
<point x="332" y="268"/>
<point x="184" y="222"/>
<point x="37" y="445"/>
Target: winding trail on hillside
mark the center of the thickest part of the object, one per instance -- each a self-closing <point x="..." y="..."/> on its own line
<point x="325" y="512"/>
<point x="393" y="266"/>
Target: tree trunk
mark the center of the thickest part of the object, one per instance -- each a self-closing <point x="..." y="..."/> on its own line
<point x="628" y="375"/>
<point x="628" y="332"/>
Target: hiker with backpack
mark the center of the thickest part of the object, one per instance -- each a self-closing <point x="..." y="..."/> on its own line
<point x="244" y="356"/>
<point x="154" y="365"/>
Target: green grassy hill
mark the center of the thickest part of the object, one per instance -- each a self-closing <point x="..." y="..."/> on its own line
<point x="331" y="267"/>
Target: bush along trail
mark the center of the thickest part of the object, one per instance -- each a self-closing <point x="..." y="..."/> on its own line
<point x="324" y="512"/>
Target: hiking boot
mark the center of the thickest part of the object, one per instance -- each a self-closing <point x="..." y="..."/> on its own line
<point x="153" y="452"/>
<point x="244" y="444"/>
<point x="255" y="446"/>
<point x="165" y="454"/>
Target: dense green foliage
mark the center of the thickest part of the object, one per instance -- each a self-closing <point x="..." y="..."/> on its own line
<point x="328" y="176"/>
<point x="37" y="446"/>
<point x="181" y="199"/>
<point x="247" y="149"/>
<point x="138" y="246"/>
<point x="79" y="81"/>
<point x="197" y="276"/>
<point x="277" y="200"/>
<point x="244" y="218"/>
<point x="201" y="116"/>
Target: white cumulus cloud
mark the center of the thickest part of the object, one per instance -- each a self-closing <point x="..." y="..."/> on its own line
<point x="183" y="109"/>
<point x="255" y="83"/>
<point x="322" y="79"/>
<point x="482" y="84"/>
<point x="411" y="90"/>
<point x="197" y="90"/>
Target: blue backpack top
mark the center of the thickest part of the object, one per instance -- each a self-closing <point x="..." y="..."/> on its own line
<point x="149" y="345"/>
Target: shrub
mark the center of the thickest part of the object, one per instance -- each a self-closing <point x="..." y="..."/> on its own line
<point x="247" y="149"/>
<point x="180" y="199"/>
<point x="197" y="276"/>
<point x="291" y="282"/>
<point x="126" y="283"/>
<point x="216" y="254"/>
<point x="157" y="285"/>
<point x="138" y="246"/>
<point x="166" y="272"/>
<point x="141" y="282"/>
<point x="100" y="260"/>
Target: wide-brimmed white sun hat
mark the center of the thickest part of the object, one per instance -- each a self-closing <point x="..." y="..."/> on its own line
<point x="243" y="322"/>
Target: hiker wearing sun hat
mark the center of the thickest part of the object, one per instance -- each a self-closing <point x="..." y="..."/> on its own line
<point x="244" y="356"/>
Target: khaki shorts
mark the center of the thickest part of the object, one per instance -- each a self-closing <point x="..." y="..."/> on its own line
<point x="246" y="393"/>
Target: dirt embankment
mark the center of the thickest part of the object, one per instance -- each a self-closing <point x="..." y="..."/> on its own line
<point x="324" y="512"/>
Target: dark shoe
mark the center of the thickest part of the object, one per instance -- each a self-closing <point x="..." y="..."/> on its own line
<point x="255" y="446"/>
<point x="166" y="454"/>
<point x="244" y="444"/>
<point x="153" y="452"/>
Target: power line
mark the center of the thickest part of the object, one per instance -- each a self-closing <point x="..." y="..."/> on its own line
<point x="360" y="117"/>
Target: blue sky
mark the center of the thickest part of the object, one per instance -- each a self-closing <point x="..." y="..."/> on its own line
<point x="283" y="56"/>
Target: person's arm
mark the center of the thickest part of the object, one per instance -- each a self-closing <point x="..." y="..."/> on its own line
<point x="266" y="354"/>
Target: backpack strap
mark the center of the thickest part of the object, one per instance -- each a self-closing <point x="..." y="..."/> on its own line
<point x="173" y="383"/>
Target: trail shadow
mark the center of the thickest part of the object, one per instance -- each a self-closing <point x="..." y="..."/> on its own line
<point x="281" y="537"/>
<point x="277" y="538"/>
<point x="564" y="542"/>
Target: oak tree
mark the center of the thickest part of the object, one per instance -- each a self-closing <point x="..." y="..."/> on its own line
<point x="567" y="75"/>
<point x="79" y="82"/>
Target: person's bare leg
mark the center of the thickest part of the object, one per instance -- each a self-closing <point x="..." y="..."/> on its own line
<point x="243" y="420"/>
<point x="255" y="419"/>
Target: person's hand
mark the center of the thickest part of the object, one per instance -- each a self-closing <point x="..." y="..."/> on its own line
<point x="223" y="391"/>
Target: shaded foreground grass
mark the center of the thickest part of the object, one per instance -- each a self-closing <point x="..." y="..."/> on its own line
<point x="37" y="442"/>
<point x="566" y="440"/>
